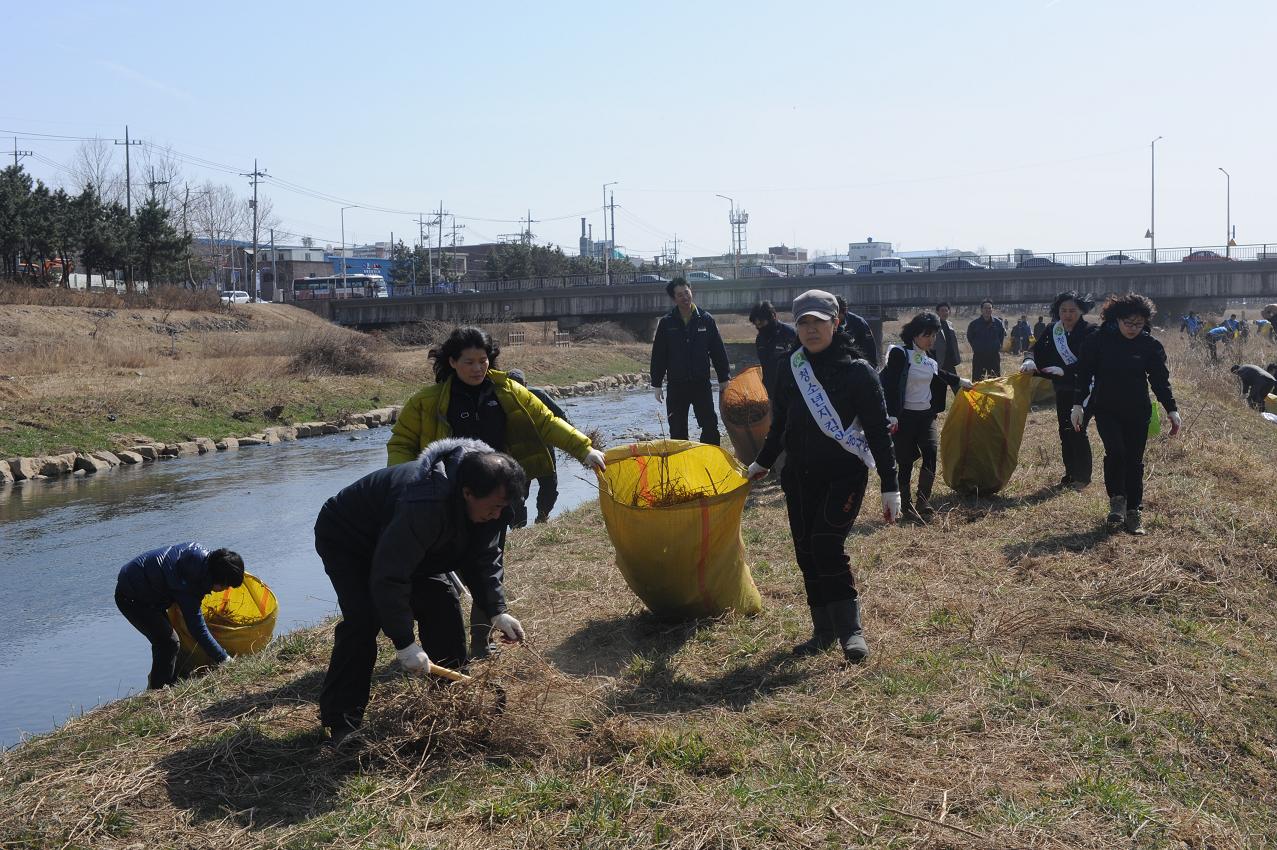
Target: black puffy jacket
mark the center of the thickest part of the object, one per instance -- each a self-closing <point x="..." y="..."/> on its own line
<point x="1117" y="372"/>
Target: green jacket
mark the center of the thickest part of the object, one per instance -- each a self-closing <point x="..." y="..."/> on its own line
<point x="532" y="431"/>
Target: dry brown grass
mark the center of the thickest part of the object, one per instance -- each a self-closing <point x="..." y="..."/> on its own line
<point x="161" y="297"/>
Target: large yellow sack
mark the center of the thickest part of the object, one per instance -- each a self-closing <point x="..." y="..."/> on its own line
<point x="673" y="511"/>
<point x="746" y="412"/>
<point x="980" y="441"/>
<point x="241" y="619"/>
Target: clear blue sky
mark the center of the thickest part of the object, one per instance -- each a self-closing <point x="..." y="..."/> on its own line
<point x="981" y="125"/>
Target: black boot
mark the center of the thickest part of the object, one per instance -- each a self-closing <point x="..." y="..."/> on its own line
<point x="846" y="614"/>
<point x="823" y="635"/>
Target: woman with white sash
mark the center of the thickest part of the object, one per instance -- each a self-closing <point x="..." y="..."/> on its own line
<point x="828" y="416"/>
<point x="1055" y="356"/>
<point x="916" y="389"/>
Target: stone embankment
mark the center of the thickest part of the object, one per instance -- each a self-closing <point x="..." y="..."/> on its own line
<point x="19" y="469"/>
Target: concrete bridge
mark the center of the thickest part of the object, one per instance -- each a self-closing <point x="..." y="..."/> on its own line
<point x="1176" y="287"/>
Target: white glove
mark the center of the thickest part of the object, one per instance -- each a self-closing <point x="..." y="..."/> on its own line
<point x="413" y="658"/>
<point x="965" y="383"/>
<point x="1075" y="417"/>
<point x="594" y="460"/>
<point x="659" y="393"/>
<point x="756" y="472"/>
<point x="893" y="424"/>
<point x="1028" y="367"/>
<point x="508" y="626"/>
<point x="1053" y="370"/>
<point x="891" y="506"/>
<point x="1176" y="422"/>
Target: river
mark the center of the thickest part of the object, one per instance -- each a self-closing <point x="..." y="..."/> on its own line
<point x="66" y="648"/>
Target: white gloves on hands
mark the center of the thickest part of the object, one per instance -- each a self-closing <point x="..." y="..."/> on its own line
<point x="594" y="460"/>
<point x="413" y="658"/>
<point x="511" y="628"/>
<point x="893" y="424"/>
<point x="965" y="383"/>
<point x="1176" y="422"/>
<point x="756" y="472"/>
<point x="891" y="506"/>
<point x="659" y="394"/>
<point x="1075" y="417"/>
<point x="1053" y="370"/>
<point x="1028" y="367"/>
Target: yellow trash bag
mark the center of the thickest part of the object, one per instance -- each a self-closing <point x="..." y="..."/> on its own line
<point x="1270" y="404"/>
<point x="673" y="510"/>
<point x="980" y="440"/>
<point x="241" y="619"/>
<point x="746" y="412"/>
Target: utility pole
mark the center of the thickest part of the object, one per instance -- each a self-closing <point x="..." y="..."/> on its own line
<point x="17" y="154"/>
<point x="440" y="222"/>
<point x="151" y="184"/>
<point x="421" y="238"/>
<point x="1152" y="199"/>
<point x="255" y="174"/>
<point x="1228" y="213"/>
<point x="128" y="196"/>
<point x="613" y="240"/>
<point x="274" y="267"/>
<point x="676" y="249"/>
<point x="607" y="250"/>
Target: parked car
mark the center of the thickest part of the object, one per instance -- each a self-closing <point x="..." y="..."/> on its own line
<point x="701" y="275"/>
<point x="1038" y="263"/>
<point x="234" y="296"/>
<point x="959" y="265"/>
<point x="891" y="265"/>
<point x="1118" y="260"/>
<point x="1206" y="257"/>
<point x="761" y="271"/>
<point x="864" y="268"/>
<point x="824" y="268"/>
<point x="651" y="278"/>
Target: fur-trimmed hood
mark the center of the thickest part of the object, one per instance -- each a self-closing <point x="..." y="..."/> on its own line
<point x="437" y="468"/>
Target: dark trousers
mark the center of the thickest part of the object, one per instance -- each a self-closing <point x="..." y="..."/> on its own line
<point x="1075" y="448"/>
<point x="986" y="365"/>
<point x="1124" y="438"/>
<point x="1259" y="393"/>
<point x="152" y="622"/>
<point x="679" y="395"/>
<point x="916" y="437"/>
<point x="821" y="513"/>
<point x="435" y="607"/>
<point x="547" y="495"/>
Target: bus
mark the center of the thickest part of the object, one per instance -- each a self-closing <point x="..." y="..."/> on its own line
<point x="338" y="286"/>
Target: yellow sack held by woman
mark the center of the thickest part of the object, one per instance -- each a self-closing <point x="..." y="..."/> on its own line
<point x="241" y="619"/>
<point x="746" y="412"/>
<point x="980" y="440"/>
<point x="673" y="511"/>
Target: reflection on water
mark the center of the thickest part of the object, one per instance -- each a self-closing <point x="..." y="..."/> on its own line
<point x="63" y="541"/>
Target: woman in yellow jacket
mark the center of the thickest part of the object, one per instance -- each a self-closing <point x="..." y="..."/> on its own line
<point x="472" y="399"/>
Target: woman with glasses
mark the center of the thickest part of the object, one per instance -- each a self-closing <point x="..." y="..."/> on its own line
<point x="1117" y="366"/>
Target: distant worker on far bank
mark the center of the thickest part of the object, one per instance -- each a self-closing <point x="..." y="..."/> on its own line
<point x="1256" y="383"/>
<point x="985" y="335"/>
<point x="181" y="574"/>
<point x="774" y="342"/>
<point x="687" y="342"/>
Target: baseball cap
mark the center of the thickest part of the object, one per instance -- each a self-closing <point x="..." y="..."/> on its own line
<point x="815" y="302"/>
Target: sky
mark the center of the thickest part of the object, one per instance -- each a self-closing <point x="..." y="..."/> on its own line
<point x="986" y="126"/>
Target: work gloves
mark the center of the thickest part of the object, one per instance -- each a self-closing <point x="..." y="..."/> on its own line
<point x="594" y="460"/>
<point x="413" y="658"/>
<point x="965" y="383"/>
<point x="1075" y="417"/>
<point x="893" y="424"/>
<point x="1176" y="422"/>
<point x="756" y="472"/>
<point x="891" y="506"/>
<point x="1028" y="367"/>
<point x="659" y="394"/>
<point x="511" y="628"/>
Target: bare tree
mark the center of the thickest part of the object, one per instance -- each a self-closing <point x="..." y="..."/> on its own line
<point x="94" y="166"/>
<point x="217" y="218"/>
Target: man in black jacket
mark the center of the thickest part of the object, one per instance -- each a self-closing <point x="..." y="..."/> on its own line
<point x="387" y="543"/>
<point x="774" y="341"/>
<point x="1257" y="383"/>
<point x="946" y="349"/>
<point x="858" y="329"/>
<point x="985" y="336"/>
<point x="547" y="485"/>
<point x="686" y="342"/>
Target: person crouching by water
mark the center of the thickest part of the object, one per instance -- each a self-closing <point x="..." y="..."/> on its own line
<point x="1117" y="366"/>
<point x="181" y="574"/>
<point x="1055" y="356"/>
<point x="388" y="542"/>
<point x="828" y="415"/>
<point x="914" y="386"/>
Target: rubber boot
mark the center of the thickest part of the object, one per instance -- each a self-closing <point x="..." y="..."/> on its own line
<point x="846" y="614"/>
<point x="1117" y="510"/>
<point x="823" y="635"/>
<point x="1135" y="522"/>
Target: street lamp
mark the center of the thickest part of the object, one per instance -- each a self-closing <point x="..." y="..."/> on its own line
<point x="607" y="256"/>
<point x="1228" y="213"/>
<point x="1152" y="202"/>
<point x="731" y="217"/>
<point x="343" y="242"/>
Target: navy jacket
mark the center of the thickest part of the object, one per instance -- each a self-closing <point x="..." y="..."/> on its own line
<point x="895" y="377"/>
<point x="858" y="329"/>
<point x="684" y="351"/>
<point x="774" y="344"/>
<point x="1117" y="373"/>
<point x="408" y="521"/>
<point x="946" y="347"/>
<point x="986" y="337"/>
<point x="174" y="575"/>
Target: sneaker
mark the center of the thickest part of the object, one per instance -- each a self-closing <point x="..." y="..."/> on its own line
<point x="1117" y="510"/>
<point x="1134" y="523"/>
<point x="1065" y="481"/>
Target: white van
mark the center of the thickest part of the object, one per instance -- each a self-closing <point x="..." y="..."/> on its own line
<point x="891" y="265"/>
<point x="234" y="296"/>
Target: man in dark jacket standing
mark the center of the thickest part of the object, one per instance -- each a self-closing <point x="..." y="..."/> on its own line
<point x="387" y="543"/>
<point x="774" y="341"/>
<point x="858" y="329"/>
<point x="181" y="574"/>
<point x="547" y="485"/>
<point x="985" y="335"/>
<point x="946" y="349"/>
<point x="687" y="341"/>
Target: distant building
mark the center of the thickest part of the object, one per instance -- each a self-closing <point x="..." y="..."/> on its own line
<point x="787" y="254"/>
<point x="287" y="263"/>
<point x="863" y="252"/>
